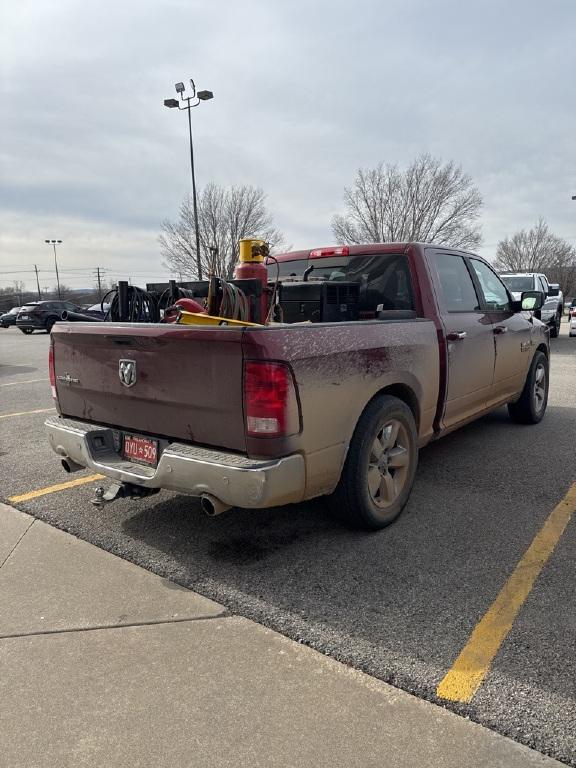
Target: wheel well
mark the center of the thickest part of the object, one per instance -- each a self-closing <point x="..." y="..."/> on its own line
<point x="404" y="393"/>
<point x="542" y="348"/>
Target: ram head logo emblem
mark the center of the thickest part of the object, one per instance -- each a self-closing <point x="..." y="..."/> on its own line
<point x="127" y="372"/>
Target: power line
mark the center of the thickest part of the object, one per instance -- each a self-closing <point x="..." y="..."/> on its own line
<point x="19" y="272"/>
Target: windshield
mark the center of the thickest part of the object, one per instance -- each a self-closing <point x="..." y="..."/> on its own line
<point x="384" y="277"/>
<point x="334" y="268"/>
<point x="287" y="268"/>
<point x="518" y="283"/>
<point x="331" y="268"/>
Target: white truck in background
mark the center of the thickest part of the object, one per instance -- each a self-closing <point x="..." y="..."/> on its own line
<point x="553" y="308"/>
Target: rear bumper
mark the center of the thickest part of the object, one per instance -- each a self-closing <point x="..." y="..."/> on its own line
<point x="234" y="479"/>
<point x="36" y="325"/>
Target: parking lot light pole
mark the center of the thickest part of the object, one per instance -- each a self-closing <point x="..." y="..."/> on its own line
<point x="196" y="97"/>
<point x="53" y="243"/>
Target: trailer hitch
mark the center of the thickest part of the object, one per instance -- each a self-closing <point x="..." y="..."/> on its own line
<point x="121" y="491"/>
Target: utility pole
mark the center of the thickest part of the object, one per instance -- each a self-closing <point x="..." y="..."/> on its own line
<point x="53" y="243"/>
<point x="38" y="282"/>
<point x="99" y="283"/>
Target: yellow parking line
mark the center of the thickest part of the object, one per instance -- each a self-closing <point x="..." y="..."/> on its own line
<point x="54" y="488"/>
<point x="25" y="413"/>
<point x="472" y="665"/>
<point x="15" y="383"/>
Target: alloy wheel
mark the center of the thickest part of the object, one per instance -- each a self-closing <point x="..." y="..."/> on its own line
<point x="389" y="463"/>
<point x="539" y="391"/>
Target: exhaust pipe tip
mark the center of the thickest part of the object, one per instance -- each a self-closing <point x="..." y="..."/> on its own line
<point x="71" y="466"/>
<point x="213" y="506"/>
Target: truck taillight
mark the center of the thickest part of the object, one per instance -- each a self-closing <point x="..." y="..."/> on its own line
<point x="52" y="371"/>
<point x="270" y="404"/>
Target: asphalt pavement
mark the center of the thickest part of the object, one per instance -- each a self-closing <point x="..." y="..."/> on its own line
<point x="399" y="604"/>
<point x="106" y="664"/>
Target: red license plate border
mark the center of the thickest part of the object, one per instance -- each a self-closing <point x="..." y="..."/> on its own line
<point x="148" y="441"/>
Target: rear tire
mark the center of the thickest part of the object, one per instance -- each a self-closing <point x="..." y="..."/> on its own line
<point x="379" y="470"/>
<point x="531" y="406"/>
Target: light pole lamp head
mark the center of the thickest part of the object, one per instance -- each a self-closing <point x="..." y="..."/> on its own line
<point x="179" y="88"/>
<point x="205" y="95"/>
<point x="171" y="103"/>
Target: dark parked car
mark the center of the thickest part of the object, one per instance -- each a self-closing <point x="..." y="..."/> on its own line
<point x="9" y="318"/>
<point x="41" y="315"/>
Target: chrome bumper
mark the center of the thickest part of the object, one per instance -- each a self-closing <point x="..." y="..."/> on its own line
<point x="230" y="477"/>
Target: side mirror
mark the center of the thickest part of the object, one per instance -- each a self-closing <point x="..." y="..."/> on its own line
<point x="531" y="301"/>
<point x="554" y="289"/>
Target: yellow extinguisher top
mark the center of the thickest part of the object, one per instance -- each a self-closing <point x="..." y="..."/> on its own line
<point x="253" y="250"/>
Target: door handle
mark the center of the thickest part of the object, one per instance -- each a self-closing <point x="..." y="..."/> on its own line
<point x="456" y="335"/>
<point x="500" y="329"/>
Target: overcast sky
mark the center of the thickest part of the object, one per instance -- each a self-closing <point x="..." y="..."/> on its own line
<point x="305" y="92"/>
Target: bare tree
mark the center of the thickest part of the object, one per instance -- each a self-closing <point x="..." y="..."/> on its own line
<point x="15" y="295"/>
<point x="225" y="215"/>
<point x="538" y="250"/>
<point x="427" y="202"/>
<point x="533" y="250"/>
<point x="65" y="291"/>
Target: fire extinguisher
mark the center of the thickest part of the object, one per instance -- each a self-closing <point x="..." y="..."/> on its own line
<point x="251" y="267"/>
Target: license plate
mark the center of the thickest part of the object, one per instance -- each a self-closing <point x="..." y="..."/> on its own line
<point x="25" y="317"/>
<point x="140" y="449"/>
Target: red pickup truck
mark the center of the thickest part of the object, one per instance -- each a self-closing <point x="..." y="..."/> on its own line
<point x="271" y="415"/>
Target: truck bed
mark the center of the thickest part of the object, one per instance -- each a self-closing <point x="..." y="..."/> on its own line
<point x="189" y="380"/>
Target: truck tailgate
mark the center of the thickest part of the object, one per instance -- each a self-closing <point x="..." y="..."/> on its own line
<point x="188" y="380"/>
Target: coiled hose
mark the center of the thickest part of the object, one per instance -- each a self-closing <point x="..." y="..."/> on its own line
<point x="142" y="307"/>
<point x="235" y="304"/>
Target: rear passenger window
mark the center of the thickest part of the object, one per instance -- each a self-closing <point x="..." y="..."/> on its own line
<point x="457" y="286"/>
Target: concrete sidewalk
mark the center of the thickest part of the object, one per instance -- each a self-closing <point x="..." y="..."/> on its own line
<point x="105" y="664"/>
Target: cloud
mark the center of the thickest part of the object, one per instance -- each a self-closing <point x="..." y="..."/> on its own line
<point x="305" y="93"/>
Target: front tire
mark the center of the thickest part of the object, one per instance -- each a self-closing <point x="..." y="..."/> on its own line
<point x="379" y="470"/>
<point x="531" y="406"/>
<point x="555" y="329"/>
